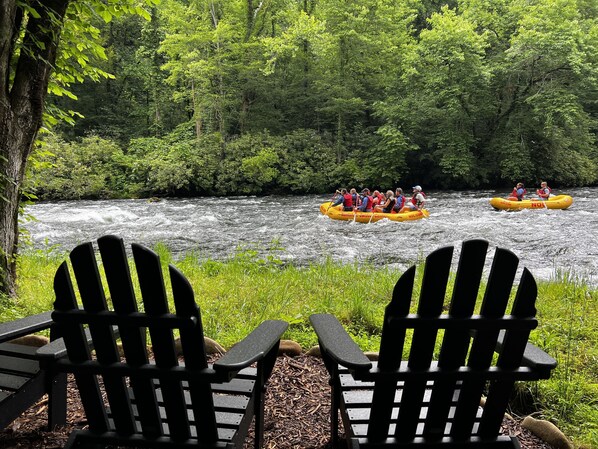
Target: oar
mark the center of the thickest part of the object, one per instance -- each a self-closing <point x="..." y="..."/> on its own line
<point x="543" y="201"/>
<point x="331" y="201"/>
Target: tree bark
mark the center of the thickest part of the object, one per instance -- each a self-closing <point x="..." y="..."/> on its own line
<point x="21" y="108"/>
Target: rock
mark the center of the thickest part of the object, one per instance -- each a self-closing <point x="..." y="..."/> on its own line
<point x="37" y="341"/>
<point x="483" y="404"/>
<point x="314" y="352"/>
<point x="290" y="348"/>
<point x="212" y="347"/>
<point x="373" y="356"/>
<point x="547" y="431"/>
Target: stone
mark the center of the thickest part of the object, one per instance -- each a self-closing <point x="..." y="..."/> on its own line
<point x="373" y="356"/>
<point x="36" y="341"/>
<point x="290" y="348"/>
<point x="212" y="347"/>
<point x="314" y="352"/>
<point x="547" y="431"/>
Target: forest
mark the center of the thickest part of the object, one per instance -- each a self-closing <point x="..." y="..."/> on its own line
<point x="204" y="97"/>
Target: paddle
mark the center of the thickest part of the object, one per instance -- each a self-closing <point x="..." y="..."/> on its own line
<point x="332" y="200"/>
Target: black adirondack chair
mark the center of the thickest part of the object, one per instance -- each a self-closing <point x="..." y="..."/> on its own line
<point x="160" y="402"/>
<point x="25" y="377"/>
<point x="434" y="402"/>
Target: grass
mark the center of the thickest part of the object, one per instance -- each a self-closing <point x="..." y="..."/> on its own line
<point x="237" y="294"/>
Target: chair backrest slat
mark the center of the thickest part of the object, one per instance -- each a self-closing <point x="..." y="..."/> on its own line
<point x="118" y="276"/>
<point x="151" y="282"/>
<point x="494" y="303"/>
<point x="432" y="295"/>
<point x="90" y="286"/>
<point x="515" y="341"/>
<point x="391" y="351"/>
<point x="455" y="343"/>
<point x="192" y="344"/>
<point x="78" y="350"/>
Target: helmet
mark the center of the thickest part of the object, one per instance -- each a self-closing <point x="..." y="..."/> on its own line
<point x="418" y="188"/>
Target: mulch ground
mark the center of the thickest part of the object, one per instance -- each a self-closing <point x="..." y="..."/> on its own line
<point x="297" y="413"/>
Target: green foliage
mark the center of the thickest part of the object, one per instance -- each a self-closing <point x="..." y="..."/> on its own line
<point x="90" y="168"/>
<point x="446" y="94"/>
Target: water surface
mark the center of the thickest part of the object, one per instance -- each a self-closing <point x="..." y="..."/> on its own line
<point x="545" y="240"/>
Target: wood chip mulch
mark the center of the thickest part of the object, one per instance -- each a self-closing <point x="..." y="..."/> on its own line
<point x="297" y="414"/>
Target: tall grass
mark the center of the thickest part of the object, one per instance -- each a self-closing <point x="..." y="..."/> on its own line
<point x="237" y="294"/>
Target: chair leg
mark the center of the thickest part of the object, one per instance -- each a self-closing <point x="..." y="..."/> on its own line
<point x="335" y="403"/>
<point x="56" y="389"/>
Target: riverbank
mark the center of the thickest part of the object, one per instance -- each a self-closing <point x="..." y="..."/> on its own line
<point x="266" y="288"/>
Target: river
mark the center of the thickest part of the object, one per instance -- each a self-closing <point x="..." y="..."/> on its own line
<point x="547" y="241"/>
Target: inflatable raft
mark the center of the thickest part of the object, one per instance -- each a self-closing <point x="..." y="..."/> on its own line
<point x="337" y="213"/>
<point x="554" y="202"/>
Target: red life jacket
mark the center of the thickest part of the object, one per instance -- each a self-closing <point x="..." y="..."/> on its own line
<point x="545" y="192"/>
<point x="414" y="200"/>
<point x="514" y="193"/>
<point x="348" y="200"/>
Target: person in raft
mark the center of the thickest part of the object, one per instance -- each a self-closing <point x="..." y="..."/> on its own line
<point x="389" y="202"/>
<point x="379" y="198"/>
<point x="518" y="192"/>
<point x="355" y="197"/>
<point x="346" y="199"/>
<point x="399" y="200"/>
<point x="544" y="191"/>
<point x="366" y="201"/>
<point x="417" y="200"/>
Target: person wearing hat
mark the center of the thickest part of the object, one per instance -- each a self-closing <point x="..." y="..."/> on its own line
<point x="366" y="201"/>
<point x="417" y="200"/>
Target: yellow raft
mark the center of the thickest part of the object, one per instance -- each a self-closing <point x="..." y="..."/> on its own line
<point x="554" y="202"/>
<point x="337" y="213"/>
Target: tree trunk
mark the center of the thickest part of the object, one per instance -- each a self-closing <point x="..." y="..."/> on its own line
<point x="21" y="108"/>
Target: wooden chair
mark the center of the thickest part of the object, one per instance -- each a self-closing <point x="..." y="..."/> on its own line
<point x="161" y="402"/>
<point x="23" y="380"/>
<point x="434" y="402"/>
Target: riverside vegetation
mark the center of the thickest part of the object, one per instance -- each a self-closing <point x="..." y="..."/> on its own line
<point x="246" y="97"/>
<point x="266" y="288"/>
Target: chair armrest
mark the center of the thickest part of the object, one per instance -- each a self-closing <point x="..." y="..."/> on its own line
<point x="533" y="357"/>
<point x="336" y="343"/>
<point x="25" y="326"/>
<point x="253" y="347"/>
<point x="53" y="350"/>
